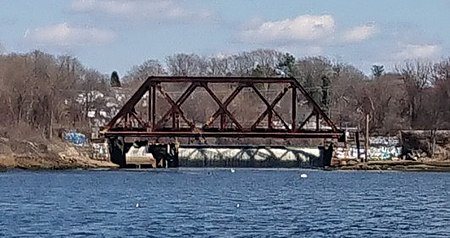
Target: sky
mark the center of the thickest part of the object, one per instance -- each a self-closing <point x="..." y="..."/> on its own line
<point x="116" y="34"/>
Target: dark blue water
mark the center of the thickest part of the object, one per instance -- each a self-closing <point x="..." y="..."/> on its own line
<point x="218" y="203"/>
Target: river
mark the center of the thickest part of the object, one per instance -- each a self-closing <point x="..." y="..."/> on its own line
<point x="223" y="203"/>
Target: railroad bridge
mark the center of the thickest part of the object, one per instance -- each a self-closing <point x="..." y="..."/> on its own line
<point x="168" y="109"/>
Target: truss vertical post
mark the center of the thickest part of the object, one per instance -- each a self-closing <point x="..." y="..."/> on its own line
<point x="269" y="116"/>
<point x="153" y="107"/>
<point x="149" y="106"/>
<point x="294" y="109"/>
<point x="222" y="122"/>
<point x="127" y="120"/>
<point x="317" y="121"/>
<point x="269" y="119"/>
<point x="173" y="119"/>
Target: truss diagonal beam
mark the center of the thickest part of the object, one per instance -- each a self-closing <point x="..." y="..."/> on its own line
<point x="176" y="106"/>
<point x="129" y="105"/>
<point x="222" y="107"/>
<point x="307" y="119"/>
<point x="269" y="106"/>
<point x="226" y="103"/>
<point x="138" y="119"/>
<point x="314" y="104"/>
<point x="272" y="105"/>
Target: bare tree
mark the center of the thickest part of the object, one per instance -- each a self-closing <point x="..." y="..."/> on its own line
<point x="186" y="64"/>
<point x="41" y="91"/>
<point x="417" y="76"/>
<point x="219" y="65"/>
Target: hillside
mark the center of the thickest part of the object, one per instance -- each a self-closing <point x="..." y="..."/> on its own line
<point x="23" y="154"/>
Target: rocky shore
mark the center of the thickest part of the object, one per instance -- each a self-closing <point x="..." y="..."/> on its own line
<point x="56" y="155"/>
<point x="15" y="154"/>
<point x="400" y="165"/>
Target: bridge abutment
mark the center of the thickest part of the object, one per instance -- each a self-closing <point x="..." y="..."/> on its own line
<point x="142" y="154"/>
<point x="117" y="151"/>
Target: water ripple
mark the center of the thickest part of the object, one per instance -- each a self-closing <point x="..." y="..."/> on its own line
<point x="217" y="203"/>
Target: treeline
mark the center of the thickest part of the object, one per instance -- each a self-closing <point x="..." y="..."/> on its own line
<point x="414" y="95"/>
<point x="40" y="91"/>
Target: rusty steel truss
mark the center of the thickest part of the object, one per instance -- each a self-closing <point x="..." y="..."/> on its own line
<point x="128" y="122"/>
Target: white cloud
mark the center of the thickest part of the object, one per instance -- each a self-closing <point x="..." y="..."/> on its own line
<point x="138" y="9"/>
<point x="66" y="35"/>
<point x="416" y="51"/>
<point x="314" y="50"/>
<point x="359" y="33"/>
<point x="301" y="28"/>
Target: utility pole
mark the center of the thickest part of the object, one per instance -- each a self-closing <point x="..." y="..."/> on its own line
<point x="366" y="140"/>
<point x="358" y="146"/>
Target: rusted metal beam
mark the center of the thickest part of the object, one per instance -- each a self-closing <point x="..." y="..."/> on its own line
<point x="294" y="109"/>
<point x="317" y="122"/>
<point x="272" y="105"/>
<point x="270" y="108"/>
<point x="129" y="105"/>
<point x="149" y="105"/>
<point x="206" y="79"/>
<point x="138" y="119"/>
<point x="315" y="105"/>
<point x="222" y="107"/>
<point x="226" y="103"/>
<point x="306" y="120"/>
<point x="176" y="106"/>
<point x="170" y="134"/>
<point x="152" y="128"/>
<point x="153" y="106"/>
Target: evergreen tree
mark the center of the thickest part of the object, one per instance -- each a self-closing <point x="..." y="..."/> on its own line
<point x="377" y="70"/>
<point x="115" y="82"/>
<point x="287" y="65"/>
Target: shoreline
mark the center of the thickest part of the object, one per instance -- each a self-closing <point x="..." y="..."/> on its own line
<point x="401" y="165"/>
<point x="38" y="163"/>
<point x="371" y="166"/>
<point x="56" y="168"/>
<point x="47" y="155"/>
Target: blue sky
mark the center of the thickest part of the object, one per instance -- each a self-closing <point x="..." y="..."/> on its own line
<point x="117" y="34"/>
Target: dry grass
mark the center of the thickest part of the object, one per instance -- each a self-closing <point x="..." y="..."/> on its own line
<point x="49" y="155"/>
<point x="21" y="131"/>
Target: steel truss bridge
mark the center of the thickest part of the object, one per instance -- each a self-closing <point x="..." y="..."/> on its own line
<point x="172" y="122"/>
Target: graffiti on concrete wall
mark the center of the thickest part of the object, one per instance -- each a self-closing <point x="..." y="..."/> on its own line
<point x="75" y="138"/>
<point x="381" y="148"/>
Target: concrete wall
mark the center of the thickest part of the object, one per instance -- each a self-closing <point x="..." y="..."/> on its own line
<point x="251" y="157"/>
<point x="380" y="148"/>
<point x="236" y="156"/>
<point x="140" y="156"/>
<point x="375" y="152"/>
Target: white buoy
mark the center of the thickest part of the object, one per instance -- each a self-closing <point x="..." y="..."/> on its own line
<point x="232" y="170"/>
<point x="137" y="205"/>
<point x="303" y="175"/>
<point x="238" y="205"/>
